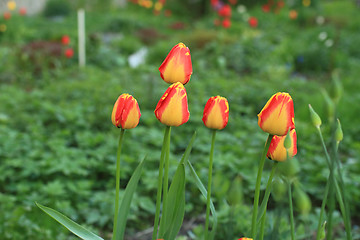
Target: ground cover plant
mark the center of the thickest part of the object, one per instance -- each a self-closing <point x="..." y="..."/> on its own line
<point x="58" y="146"/>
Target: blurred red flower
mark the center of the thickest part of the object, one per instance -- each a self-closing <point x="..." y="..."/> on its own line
<point x="225" y="11"/>
<point x="266" y="8"/>
<point x="22" y="11"/>
<point x="253" y="22"/>
<point x="65" y="40"/>
<point x="69" y="53"/>
<point x="7" y="15"/>
<point x="226" y="23"/>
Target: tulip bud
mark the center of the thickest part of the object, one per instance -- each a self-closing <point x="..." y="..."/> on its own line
<point x="177" y="65"/>
<point x="338" y="132"/>
<point x="245" y="238"/>
<point x="336" y="87"/>
<point x="278" y="189"/>
<point x="172" y="108"/>
<point x="126" y="113"/>
<point x="323" y="231"/>
<point x="278" y="152"/>
<point x="289" y="169"/>
<point x="235" y="193"/>
<point x="302" y="201"/>
<point x="287" y="141"/>
<point x="316" y="120"/>
<point x="216" y="113"/>
<point x="277" y="116"/>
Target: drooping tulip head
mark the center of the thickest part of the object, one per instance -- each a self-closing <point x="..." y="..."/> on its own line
<point x="278" y="152"/>
<point x="177" y="65"/>
<point x="277" y="116"/>
<point x="126" y="112"/>
<point x="216" y="113"/>
<point x="172" y="108"/>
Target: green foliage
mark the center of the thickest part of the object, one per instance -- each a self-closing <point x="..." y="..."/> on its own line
<point x="56" y="8"/>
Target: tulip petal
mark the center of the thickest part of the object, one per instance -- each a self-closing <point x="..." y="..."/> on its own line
<point x="177" y="65"/>
<point x="277" y="151"/>
<point x="216" y="113"/>
<point x="277" y="116"/>
<point x="126" y="112"/>
<point x="172" y="108"/>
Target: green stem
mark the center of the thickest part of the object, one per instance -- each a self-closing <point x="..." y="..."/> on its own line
<point x="318" y="234"/>
<point x="166" y="171"/>
<point x="291" y="212"/>
<point x="208" y="197"/>
<point x="347" y="220"/>
<point x="160" y="184"/>
<point x="332" y="181"/>
<point x="266" y="198"/>
<point x="117" y="183"/>
<point x="262" y="226"/>
<point x="257" y="186"/>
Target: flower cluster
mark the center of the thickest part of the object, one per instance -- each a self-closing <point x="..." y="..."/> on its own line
<point x="65" y="41"/>
<point x="277" y="118"/>
<point x="224" y="12"/>
<point x="11" y="5"/>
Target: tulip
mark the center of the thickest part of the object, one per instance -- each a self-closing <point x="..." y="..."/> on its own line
<point x="7" y="15"/>
<point x="225" y="11"/>
<point x="69" y="53"/>
<point x="226" y="23"/>
<point x="253" y="22"/>
<point x="177" y="65"/>
<point x="245" y="239"/>
<point x="22" y="11"/>
<point x="277" y="116"/>
<point x="11" y="5"/>
<point x="216" y="113"/>
<point x="278" y="152"/>
<point x="293" y="14"/>
<point x="126" y="113"/>
<point x="65" y="40"/>
<point x="172" y="108"/>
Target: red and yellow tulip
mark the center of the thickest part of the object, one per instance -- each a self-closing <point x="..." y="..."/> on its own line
<point x="277" y="151"/>
<point x="126" y="113"/>
<point x="245" y="239"/>
<point x="172" y="108"/>
<point x="216" y="113"/>
<point x="177" y="65"/>
<point x="277" y="116"/>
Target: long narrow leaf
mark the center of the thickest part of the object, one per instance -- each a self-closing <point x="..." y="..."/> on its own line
<point x="186" y="155"/>
<point x="164" y="223"/>
<point x="126" y="201"/>
<point x="72" y="226"/>
<point x="175" y="207"/>
<point x="204" y="193"/>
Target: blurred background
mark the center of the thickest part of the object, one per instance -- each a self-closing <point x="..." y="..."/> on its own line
<point x="58" y="145"/>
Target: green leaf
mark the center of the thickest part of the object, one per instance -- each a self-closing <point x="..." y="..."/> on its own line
<point x="186" y="155"/>
<point x="69" y="224"/>
<point x="168" y="228"/>
<point x="175" y="206"/>
<point x="126" y="201"/>
<point x="204" y="193"/>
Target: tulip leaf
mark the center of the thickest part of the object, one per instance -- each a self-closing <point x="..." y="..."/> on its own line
<point x="72" y="226"/>
<point x="174" y="213"/>
<point x="204" y="193"/>
<point x="126" y="201"/>
<point x="175" y="206"/>
<point x="186" y="155"/>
